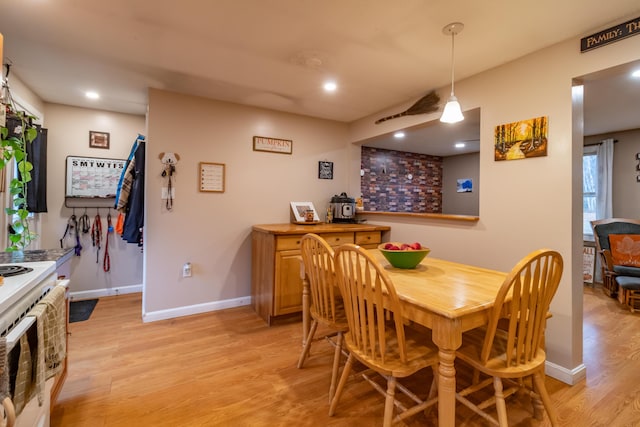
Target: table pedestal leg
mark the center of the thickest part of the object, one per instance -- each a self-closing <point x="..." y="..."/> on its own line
<point x="446" y="389"/>
<point x="447" y="335"/>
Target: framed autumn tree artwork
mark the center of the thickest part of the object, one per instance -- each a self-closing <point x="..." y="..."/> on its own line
<point x="522" y="139"/>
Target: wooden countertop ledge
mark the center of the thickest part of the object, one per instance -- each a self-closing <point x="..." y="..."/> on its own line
<point x="317" y="228"/>
<point x="451" y="217"/>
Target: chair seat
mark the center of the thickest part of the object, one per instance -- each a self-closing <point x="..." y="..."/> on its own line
<point x="625" y="270"/>
<point x="339" y="323"/>
<point x="420" y="353"/>
<point x="469" y="351"/>
<point x="629" y="282"/>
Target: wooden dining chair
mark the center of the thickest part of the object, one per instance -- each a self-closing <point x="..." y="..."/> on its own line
<point x="511" y="346"/>
<point x="384" y="346"/>
<point x="326" y="304"/>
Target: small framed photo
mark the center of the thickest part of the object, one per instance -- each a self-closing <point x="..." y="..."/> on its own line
<point x="302" y="212"/>
<point x="325" y="170"/>
<point x="464" y="185"/>
<point x="98" y="139"/>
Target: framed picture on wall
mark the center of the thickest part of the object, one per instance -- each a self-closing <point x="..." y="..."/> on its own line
<point x="325" y="170"/>
<point x="98" y="139"/>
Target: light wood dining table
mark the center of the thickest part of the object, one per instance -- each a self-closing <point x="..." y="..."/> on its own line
<point x="447" y="297"/>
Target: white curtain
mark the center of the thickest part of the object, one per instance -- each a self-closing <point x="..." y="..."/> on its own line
<point x="604" y="203"/>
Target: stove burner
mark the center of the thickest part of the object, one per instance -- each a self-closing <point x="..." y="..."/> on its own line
<point x="13" y="270"/>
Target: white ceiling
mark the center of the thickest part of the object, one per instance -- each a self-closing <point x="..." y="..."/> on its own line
<point x="276" y="54"/>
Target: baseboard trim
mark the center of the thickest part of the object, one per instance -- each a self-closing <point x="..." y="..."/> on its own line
<point x="170" y="313"/>
<point x="567" y="376"/>
<point x="98" y="293"/>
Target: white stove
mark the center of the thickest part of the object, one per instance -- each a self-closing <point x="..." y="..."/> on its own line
<point x="24" y="285"/>
<point x="18" y="293"/>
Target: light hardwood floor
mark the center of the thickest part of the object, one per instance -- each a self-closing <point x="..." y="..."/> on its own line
<point x="229" y="369"/>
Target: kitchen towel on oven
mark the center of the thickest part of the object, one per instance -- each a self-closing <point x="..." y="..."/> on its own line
<point x="8" y="413"/>
<point x="50" y="318"/>
<point x="24" y="376"/>
<point x="50" y="351"/>
<point x="4" y="370"/>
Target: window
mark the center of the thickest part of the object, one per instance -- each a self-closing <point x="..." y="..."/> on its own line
<point x="589" y="189"/>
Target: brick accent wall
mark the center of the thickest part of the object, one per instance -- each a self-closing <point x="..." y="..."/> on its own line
<point x="398" y="181"/>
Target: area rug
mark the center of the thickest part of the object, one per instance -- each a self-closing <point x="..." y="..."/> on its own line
<point x="81" y="310"/>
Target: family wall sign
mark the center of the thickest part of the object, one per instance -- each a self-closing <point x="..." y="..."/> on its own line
<point x="610" y="35"/>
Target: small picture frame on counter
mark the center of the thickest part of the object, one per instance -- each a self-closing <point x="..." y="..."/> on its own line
<point x="301" y="212"/>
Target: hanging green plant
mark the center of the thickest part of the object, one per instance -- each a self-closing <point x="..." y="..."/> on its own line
<point x="14" y="147"/>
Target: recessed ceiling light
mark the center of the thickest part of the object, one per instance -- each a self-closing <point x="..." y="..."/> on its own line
<point x="459" y="145"/>
<point x="636" y="74"/>
<point x="330" y="86"/>
<point x="398" y="135"/>
<point x="92" y="95"/>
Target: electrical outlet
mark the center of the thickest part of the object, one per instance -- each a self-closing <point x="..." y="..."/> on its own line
<point x="186" y="269"/>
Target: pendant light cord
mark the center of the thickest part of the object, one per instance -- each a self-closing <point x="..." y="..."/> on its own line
<point x="453" y="35"/>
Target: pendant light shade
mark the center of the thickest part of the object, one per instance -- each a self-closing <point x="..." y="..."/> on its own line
<point x="452" y="112"/>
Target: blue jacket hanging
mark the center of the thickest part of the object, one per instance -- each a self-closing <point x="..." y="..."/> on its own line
<point x="134" y="212"/>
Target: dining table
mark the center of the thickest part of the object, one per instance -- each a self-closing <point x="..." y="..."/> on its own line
<point x="447" y="297"/>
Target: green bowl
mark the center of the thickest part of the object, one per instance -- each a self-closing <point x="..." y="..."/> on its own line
<point x="403" y="258"/>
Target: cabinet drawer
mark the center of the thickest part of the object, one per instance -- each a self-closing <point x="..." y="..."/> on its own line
<point x="288" y="243"/>
<point x="337" y="239"/>
<point x="367" y="237"/>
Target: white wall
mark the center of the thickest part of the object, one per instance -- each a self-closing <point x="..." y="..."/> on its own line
<point x="69" y="136"/>
<point x="212" y="230"/>
<point x="524" y="204"/>
<point x="25" y="98"/>
<point x="464" y="166"/>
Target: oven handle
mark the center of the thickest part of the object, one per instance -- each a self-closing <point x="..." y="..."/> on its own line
<point x="20" y="329"/>
<point x="14" y="336"/>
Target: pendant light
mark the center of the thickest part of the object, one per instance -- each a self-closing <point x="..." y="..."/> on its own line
<point x="452" y="112"/>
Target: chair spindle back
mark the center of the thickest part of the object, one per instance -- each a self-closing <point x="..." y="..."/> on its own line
<point x="317" y="256"/>
<point x="522" y="304"/>
<point x="367" y="291"/>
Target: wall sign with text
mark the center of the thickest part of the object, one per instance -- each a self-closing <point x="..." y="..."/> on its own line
<point x="610" y="35"/>
<point x="272" y="145"/>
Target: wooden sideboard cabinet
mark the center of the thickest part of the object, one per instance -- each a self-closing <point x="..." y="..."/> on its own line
<point x="276" y="287"/>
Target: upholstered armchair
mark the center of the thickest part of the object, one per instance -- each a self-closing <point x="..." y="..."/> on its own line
<point x="618" y="246"/>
